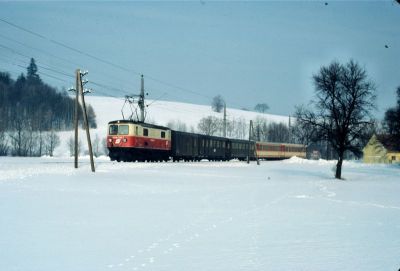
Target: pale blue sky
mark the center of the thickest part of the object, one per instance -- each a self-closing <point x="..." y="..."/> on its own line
<point x="249" y="52"/>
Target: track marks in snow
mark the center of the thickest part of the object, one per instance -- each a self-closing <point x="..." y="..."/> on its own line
<point x="204" y="225"/>
<point x="162" y="247"/>
<point x="364" y="204"/>
<point x="331" y="196"/>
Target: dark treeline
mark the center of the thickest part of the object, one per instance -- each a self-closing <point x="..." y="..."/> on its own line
<point x="30" y="104"/>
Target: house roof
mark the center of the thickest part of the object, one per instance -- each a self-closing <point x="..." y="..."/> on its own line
<point x="390" y="142"/>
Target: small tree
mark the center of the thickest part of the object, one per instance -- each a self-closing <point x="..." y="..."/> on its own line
<point x="392" y="117"/>
<point x="177" y="125"/>
<point x="278" y="132"/>
<point x="260" y="129"/>
<point x="52" y="142"/>
<point x="262" y="108"/>
<point x="3" y="144"/>
<point x="71" y="146"/>
<point x="217" y="103"/>
<point x="96" y="146"/>
<point x="32" y="72"/>
<point x="341" y="110"/>
<point x="209" y="125"/>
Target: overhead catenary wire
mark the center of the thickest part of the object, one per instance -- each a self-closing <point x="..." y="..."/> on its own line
<point x="102" y="85"/>
<point x="129" y="70"/>
<point x="61" y="72"/>
<point x="47" y="54"/>
<point x="168" y="108"/>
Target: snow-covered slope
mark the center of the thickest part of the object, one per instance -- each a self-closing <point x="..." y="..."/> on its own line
<point x="159" y="112"/>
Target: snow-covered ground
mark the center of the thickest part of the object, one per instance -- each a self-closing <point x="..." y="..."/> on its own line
<point x="283" y="215"/>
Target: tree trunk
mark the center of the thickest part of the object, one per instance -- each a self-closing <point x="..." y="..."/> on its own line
<point x="338" y="174"/>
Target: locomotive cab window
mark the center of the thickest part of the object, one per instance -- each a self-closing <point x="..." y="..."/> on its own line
<point x="118" y="130"/>
<point x="162" y="134"/>
<point x="145" y="132"/>
<point x="123" y="130"/>
<point x="113" y="130"/>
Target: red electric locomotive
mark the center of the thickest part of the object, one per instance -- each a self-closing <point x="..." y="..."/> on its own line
<point x="129" y="140"/>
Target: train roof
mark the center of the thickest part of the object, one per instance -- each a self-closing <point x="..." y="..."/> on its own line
<point x="147" y="125"/>
<point x="281" y="143"/>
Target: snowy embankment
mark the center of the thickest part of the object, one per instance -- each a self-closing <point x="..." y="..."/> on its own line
<point x="282" y="215"/>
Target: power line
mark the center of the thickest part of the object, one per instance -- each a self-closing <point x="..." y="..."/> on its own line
<point x="51" y="55"/>
<point x="39" y="72"/>
<point x="61" y="72"/>
<point x="68" y="47"/>
<point x="102" y="60"/>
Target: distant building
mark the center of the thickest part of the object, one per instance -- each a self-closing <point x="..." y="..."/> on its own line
<point x="382" y="149"/>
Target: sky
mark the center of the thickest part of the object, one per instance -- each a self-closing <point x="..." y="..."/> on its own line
<point x="248" y="52"/>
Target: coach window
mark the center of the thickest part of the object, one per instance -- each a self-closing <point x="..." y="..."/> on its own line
<point x="136" y="130"/>
<point x="162" y="134"/>
<point x="145" y="132"/>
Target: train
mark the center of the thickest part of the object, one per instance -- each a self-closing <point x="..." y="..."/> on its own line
<point x="131" y="141"/>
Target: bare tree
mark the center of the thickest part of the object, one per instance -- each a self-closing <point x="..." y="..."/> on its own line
<point x="392" y="117"/>
<point x="260" y="129"/>
<point x="278" y="132"/>
<point x="96" y="146"/>
<point x="71" y="146"/>
<point x="52" y="140"/>
<point x="209" y="125"/>
<point x="217" y="103"/>
<point x="104" y="146"/>
<point x="3" y="144"/>
<point x="341" y="112"/>
<point x="242" y="129"/>
<point x="20" y="136"/>
<point x="177" y="125"/>
<point x="303" y="133"/>
<point x="262" y="107"/>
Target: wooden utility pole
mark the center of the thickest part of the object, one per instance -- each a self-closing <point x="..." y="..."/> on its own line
<point x="141" y="100"/>
<point x="86" y="123"/>
<point x="248" y="149"/>
<point x="251" y="132"/>
<point x="78" y="76"/>
<point x="79" y="91"/>
<point x="224" y="120"/>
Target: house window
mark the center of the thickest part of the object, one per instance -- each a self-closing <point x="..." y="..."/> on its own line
<point x="145" y="132"/>
<point x="393" y="158"/>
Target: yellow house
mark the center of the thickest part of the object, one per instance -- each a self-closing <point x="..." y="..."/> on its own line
<point x="382" y="149"/>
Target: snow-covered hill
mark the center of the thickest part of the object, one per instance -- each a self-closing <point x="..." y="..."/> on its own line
<point x="158" y="112"/>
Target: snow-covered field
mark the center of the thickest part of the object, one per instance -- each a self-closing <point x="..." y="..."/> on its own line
<point x="283" y="215"/>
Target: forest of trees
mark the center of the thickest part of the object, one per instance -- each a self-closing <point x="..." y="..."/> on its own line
<point x="239" y="128"/>
<point x="31" y="110"/>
